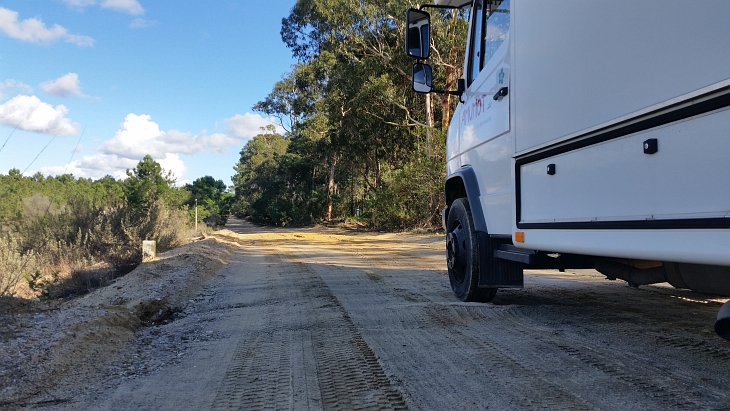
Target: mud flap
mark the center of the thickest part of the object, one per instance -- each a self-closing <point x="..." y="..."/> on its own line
<point x="496" y="272"/>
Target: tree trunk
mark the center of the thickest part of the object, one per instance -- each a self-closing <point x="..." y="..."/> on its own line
<point x="314" y="181"/>
<point x="445" y="103"/>
<point x="331" y="188"/>
<point x="450" y="77"/>
<point x="429" y="126"/>
<point x="378" y="174"/>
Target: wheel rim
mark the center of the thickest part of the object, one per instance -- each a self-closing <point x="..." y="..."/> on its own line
<point x="456" y="252"/>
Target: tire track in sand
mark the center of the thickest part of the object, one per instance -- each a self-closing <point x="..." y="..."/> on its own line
<point x="348" y="371"/>
<point x="345" y="370"/>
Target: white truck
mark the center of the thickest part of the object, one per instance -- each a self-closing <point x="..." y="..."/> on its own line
<point x="588" y="134"/>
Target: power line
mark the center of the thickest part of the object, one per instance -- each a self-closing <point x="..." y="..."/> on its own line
<point x="39" y="154"/>
<point x="11" y="134"/>
<point x="74" y="150"/>
<point x="45" y="241"/>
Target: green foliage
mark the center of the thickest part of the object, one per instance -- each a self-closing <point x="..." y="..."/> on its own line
<point x="212" y="199"/>
<point x="411" y="196"/>
<point x="39" y="284"/>
<point x="146" y="184"/>
<point x="357" y="135"/>
<point x="270" y="182"/>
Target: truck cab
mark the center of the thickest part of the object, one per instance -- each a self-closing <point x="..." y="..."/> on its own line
<point x="588" y="134"/>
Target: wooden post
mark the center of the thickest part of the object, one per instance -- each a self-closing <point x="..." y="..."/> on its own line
<point x="196" y="216"/>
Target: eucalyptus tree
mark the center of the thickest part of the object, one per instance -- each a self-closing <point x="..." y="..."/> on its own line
<point x="349" y="106"/>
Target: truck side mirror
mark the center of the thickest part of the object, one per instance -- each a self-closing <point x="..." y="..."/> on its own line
<point x="422" y="78"/>
<point x="418" y="34"/>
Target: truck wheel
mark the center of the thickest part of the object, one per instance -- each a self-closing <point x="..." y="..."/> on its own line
<point x="462" y="255"/>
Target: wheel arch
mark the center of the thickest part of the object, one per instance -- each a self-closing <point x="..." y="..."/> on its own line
<point x="463" y="183"/>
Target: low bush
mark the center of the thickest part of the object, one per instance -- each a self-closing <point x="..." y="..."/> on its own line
<point x="61" y="236"/>
<point x="14" y="265"/>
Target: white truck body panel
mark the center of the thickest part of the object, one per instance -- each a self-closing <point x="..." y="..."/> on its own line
<point x="574" y="67"/>
<point x="484" y="138"/>
<point x="580" y="63"/>
<point x="615" y="180"/>
<point x="682" y="246"/>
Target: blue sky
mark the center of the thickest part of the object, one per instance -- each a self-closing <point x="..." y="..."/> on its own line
<point x="173" y="79"/>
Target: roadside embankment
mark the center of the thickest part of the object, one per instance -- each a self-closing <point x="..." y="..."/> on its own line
<point x="47" y="345"/>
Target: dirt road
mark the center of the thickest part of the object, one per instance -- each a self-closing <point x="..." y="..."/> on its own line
<point x="310" y="319"/>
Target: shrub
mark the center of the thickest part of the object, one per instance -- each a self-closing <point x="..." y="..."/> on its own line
<point x="53" y="252"/>
<point x="170" y="228"/>
<point x="14" y="264"/>
<point x="53" y="229"/>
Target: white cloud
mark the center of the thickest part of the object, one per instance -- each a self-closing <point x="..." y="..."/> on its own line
<point x="81" y="41"/>
<point x="98" y="165"/>
<point x="173" y="164"/>
<point x="11" y="86"/>
<point x="216" y="143"/>
<point x="64" y="86"/>
<point x="125" y="6"/>
<point x="140" y="23"/>
<point x="137" y="137"/>
<point x="94" y="166"/>
<point x="107" y="163"/>
<point x="35" y="31"/>
<point x="31" y="114"/>
<point x="79" y="3"/>
<point x="140" y="135"/>
<point x="246" y="126"/>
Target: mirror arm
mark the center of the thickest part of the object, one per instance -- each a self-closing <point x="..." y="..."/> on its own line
<point x="461" y="88"/>
<point x="452" y="92"/>
<point x="436" y="6"/>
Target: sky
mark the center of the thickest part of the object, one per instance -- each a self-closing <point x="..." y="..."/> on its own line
<point x="102" y="83"/>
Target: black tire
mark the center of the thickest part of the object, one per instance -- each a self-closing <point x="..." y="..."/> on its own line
<point x="462" y="255"/>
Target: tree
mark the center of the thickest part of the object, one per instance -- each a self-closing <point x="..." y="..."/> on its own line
<point x="147" y="183"/>
<point x="212" y="196"/>
<point x="257" y="177"/>
<point x="358" y="135"/>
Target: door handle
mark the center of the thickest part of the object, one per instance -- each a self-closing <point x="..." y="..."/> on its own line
<point x="501" y="93"/>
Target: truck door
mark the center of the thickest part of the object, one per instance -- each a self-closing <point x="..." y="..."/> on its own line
<point x="485" y="114"/>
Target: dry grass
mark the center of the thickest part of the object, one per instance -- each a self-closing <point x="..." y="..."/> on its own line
<point x="14" y="264"/>
<point x="58" y="255"/>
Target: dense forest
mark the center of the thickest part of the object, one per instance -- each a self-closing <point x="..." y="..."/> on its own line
<point x="55" y="228"/>
<point x="359" y="143"/>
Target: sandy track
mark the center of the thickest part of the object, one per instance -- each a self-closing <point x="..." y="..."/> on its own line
<point x="314" y="319"/>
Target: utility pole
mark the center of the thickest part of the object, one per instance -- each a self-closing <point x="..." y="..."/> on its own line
<point x="196" y="216"/>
